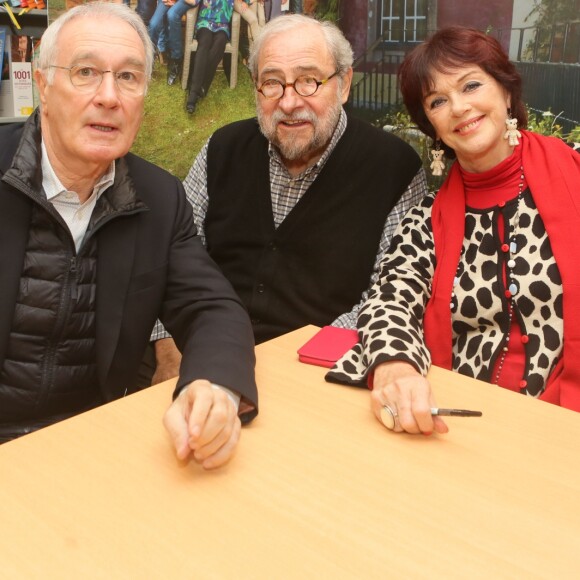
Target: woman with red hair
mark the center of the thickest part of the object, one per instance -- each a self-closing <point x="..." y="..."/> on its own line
<point x="481" y="278"/>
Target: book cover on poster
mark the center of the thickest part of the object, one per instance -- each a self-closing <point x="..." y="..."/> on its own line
<point x="16" y="86"/>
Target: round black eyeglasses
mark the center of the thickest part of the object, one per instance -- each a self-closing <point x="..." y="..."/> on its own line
<point x="304" y="85"/>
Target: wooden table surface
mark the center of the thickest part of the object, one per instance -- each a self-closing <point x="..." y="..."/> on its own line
<point x="318" y="489"/>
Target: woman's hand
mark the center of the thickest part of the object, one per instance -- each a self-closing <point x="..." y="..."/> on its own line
<point x="408" y="394"/>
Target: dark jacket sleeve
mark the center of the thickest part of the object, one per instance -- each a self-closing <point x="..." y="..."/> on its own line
<point x="204" y="315"/>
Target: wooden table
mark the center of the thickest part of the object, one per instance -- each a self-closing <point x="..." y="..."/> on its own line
<point x="318" y="489"/>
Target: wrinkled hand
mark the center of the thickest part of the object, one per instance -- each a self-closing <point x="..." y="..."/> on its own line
<point x="203" y="423"/>
<point x="408" y="393"/>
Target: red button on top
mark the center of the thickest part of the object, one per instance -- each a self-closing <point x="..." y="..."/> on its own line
<point x="508" y="294"/>
<point x="501" y="204"/>
<point x="505" y="248"/>
<point x="523" y="384"/>
<point x="525" y="339"/>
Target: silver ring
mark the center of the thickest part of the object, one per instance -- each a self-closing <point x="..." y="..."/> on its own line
<point x="389" y="418"/>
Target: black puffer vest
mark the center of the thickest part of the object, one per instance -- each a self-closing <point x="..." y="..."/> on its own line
<point x="47" y="348"/>
<point x="49" y="371"/>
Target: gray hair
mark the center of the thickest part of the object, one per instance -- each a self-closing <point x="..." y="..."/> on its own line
<point x="49" y="45"/>
<point x="338" y="46"/>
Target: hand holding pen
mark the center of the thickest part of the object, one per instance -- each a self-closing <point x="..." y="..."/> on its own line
<point x="402" y="400"/>
<point x="390" y="417"/>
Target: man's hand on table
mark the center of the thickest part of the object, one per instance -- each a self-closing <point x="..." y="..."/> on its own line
<point x="203" y="422"/>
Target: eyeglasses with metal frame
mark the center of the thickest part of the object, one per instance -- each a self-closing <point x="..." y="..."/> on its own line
<point x="304" y="85"/>
<point x="88" y="79"/>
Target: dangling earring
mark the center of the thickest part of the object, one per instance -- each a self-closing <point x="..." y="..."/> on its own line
<point x="437" y="165"/>
<point x="512" y="132"/>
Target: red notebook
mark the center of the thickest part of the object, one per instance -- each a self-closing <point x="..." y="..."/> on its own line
<point x="327" y="346"/>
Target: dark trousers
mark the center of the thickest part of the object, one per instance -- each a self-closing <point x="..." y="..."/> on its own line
<point x="145" y="9"/>
<point x="210" y="50"/>
<point x="147" y="368"/>
<point x="272" y="8"/>
<point x="296" y="6"/>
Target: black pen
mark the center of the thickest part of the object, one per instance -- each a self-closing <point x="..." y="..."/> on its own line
<point x="455" y="412"/>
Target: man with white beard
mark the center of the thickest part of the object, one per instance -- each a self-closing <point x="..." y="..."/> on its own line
<point x="298" y="206"/>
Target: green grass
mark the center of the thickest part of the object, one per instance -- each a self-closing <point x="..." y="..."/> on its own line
<point x="171" y="138"/>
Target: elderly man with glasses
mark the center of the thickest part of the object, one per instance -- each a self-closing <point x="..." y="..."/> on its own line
<point x="298" y="205"/>
<point x="96" y="244"/>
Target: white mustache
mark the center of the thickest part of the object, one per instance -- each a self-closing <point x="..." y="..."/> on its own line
<point x="281" y="117"/>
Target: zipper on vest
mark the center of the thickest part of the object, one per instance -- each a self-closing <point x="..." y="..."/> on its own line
<point x="68" y="293"/>
<point x="73" y="278"/>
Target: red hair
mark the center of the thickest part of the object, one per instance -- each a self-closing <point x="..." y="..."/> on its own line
<point x="450" y="49"/>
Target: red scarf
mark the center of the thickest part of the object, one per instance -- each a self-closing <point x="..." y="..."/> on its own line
<point x="552" y="170"/>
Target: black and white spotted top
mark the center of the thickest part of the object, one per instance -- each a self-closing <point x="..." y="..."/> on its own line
<point x="391" y="322"/>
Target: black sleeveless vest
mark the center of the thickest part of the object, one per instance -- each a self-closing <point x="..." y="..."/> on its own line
<point x="49" y="371"/>
<point x="317" y="263"/>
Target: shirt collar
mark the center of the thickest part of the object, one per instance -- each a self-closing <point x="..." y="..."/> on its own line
<point x="53" y="186"/>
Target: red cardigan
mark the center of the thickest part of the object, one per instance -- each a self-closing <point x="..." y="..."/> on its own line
<point x="552" y="171"/>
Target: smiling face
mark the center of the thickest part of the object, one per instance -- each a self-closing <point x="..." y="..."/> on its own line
<point x="300" y="127"/>
<point x="83" y="131"/>
<point x="468" y="108"/>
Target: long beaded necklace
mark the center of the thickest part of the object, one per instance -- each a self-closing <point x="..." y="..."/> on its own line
<point x="510" y="249"/>
<point x="512" y="289"/>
